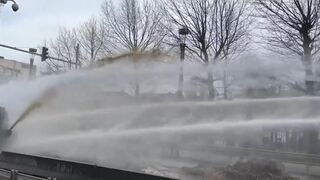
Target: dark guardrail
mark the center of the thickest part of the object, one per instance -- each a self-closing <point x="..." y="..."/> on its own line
<point x="14" y="166"/>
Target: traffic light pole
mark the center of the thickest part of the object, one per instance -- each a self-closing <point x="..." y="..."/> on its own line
<point x="36" y="54"/>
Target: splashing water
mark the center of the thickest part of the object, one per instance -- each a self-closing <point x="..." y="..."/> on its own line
<point x="91" y="116"/>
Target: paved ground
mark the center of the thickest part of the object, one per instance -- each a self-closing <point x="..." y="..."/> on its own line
<point x="203" y="161"/>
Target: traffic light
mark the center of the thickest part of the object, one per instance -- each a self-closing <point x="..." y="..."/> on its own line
<point x="45" y="54"/>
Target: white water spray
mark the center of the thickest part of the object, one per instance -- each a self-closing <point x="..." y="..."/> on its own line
<point x="92" y="116"/>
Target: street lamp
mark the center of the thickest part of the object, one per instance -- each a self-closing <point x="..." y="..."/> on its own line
<point x="183" y="32"/>
<point x="32" y="51"/>
<point x="15" y="6"/>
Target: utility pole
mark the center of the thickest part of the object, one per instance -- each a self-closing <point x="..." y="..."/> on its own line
<point x="31" y="67"/>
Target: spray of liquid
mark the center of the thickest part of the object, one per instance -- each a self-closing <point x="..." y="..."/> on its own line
<point x="32" y="107"/>
<point x="93" y="116"/>
<point x="29" y="109"/>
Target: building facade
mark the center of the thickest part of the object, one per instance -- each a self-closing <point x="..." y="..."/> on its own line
<point x="10" y="69"/>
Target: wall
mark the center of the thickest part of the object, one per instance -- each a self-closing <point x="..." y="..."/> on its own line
<point x="10" y="69"/>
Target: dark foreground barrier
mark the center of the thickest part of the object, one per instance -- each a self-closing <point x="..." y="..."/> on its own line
<point x="15" y="166"/>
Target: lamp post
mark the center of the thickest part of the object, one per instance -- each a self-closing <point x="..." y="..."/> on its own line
<point x="32" y="52"/>
<point x="183" y="32"/>
<point x="15" y="6"/>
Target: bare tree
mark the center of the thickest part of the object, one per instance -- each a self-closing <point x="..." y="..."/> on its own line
<point x="64" y="47"/>
<point x="293" y="28"/>
<point x="92" y="37"/>
<point x="217" y="27"/>
<point x="134" y="25"/>
<point x="232" y="20"/>
<point x="197" y="17"/>
<point x="84" y="44"/>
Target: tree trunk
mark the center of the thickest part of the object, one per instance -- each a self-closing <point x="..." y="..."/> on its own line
<point x="136" y="75"/>
<point x="225" y="83"/>
<point x="210" y="76"/>
<point x="307" y="60"/>
<point x="136" y="83"/>
<point x="309" y="81"/>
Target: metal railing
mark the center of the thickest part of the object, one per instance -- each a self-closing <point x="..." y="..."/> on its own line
<point x="42" y="168"/>
<point x="289" y="157"/>
<point x="16" y="175"/>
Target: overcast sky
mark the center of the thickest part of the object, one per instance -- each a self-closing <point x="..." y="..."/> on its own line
<point x="38" y="20"/>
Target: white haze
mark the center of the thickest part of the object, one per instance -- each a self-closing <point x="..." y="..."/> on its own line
<point x="92" y="116"/>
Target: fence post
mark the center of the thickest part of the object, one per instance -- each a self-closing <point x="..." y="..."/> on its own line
<point x="14" y="174"/>
<point x="308" y="170"/>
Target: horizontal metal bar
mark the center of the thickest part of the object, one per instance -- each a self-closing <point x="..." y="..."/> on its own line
<point x="20" y="176"/>
<point x="62" y="60"/>
<point x="14" y="48"/>
<point x="29" y="177"/>
<point x="36" y="54"/>
<point x="5" y="174"/>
